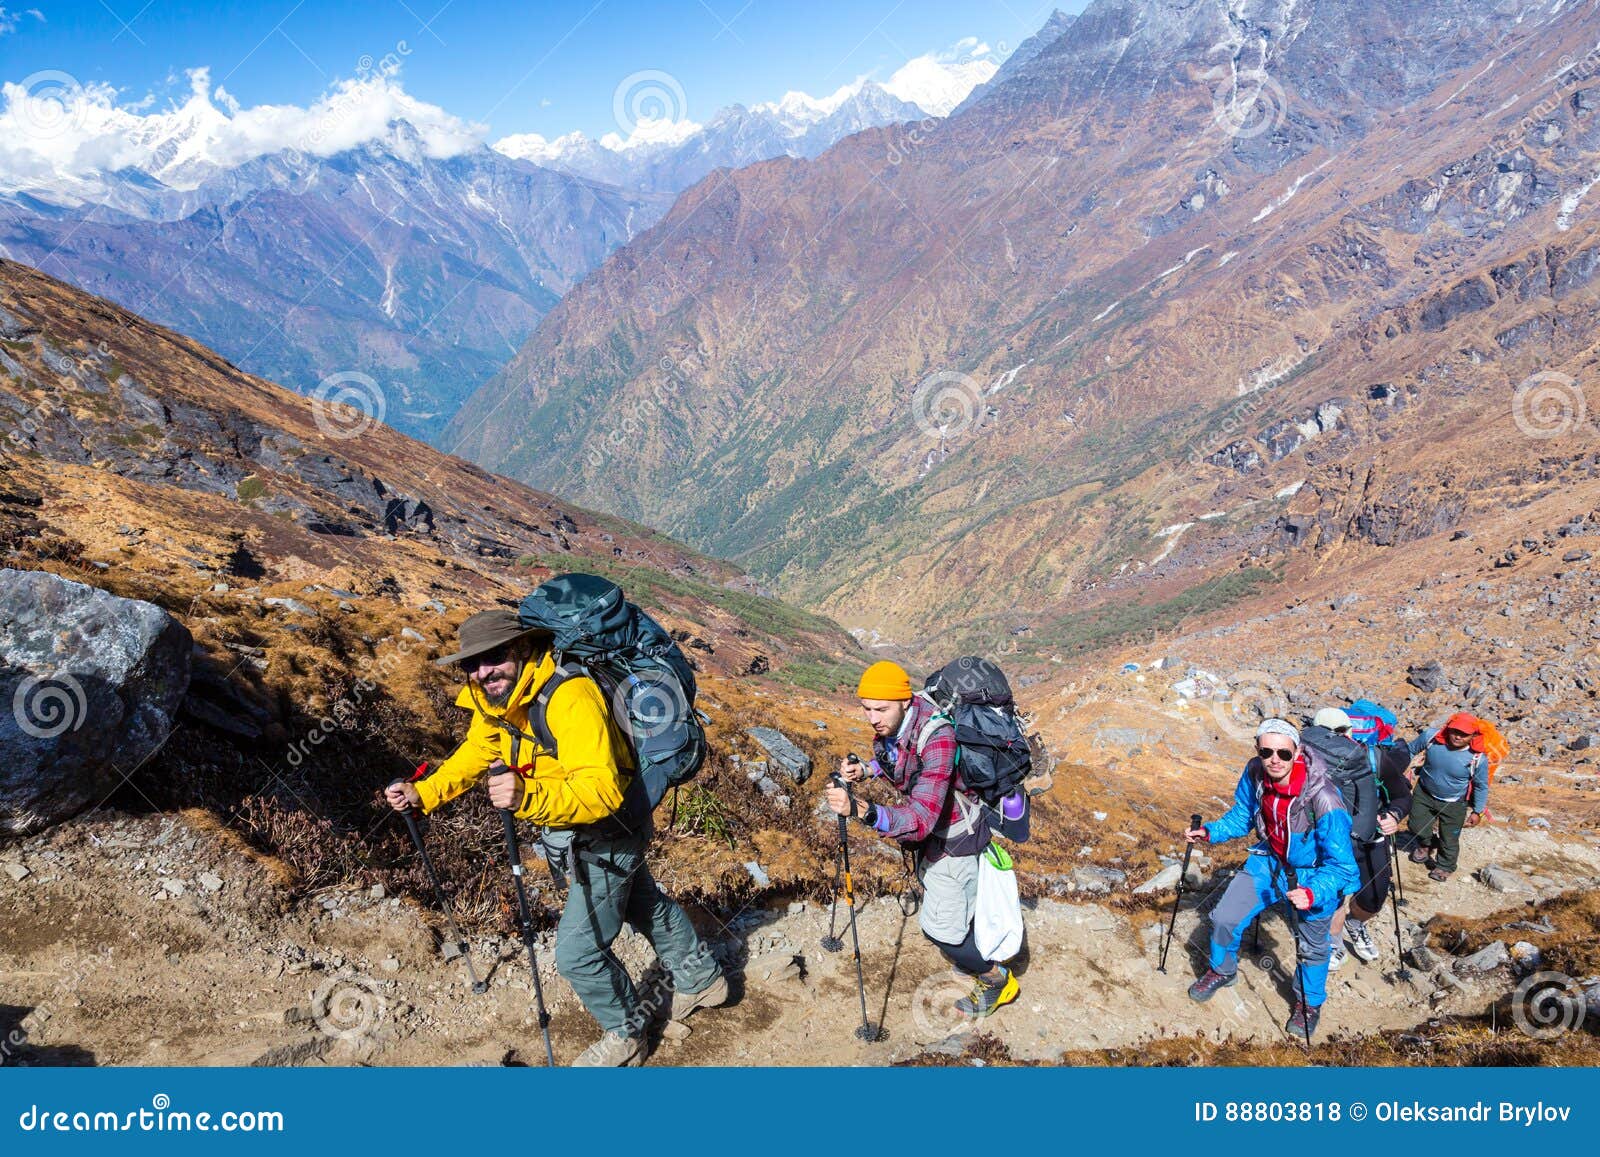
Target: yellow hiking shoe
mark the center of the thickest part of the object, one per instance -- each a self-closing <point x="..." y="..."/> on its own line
<point x="989" y="995"/>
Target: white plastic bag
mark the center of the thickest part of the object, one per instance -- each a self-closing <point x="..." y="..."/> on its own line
<point x="997" y="925"/>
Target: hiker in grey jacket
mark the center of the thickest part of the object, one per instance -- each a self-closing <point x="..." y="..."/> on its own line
<point x="1452" y="793"/>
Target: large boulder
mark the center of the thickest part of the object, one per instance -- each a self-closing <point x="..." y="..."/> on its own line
<point x="793" y="762"/>
<point x="89" y="687"/>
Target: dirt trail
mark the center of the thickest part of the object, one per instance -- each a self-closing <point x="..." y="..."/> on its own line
<point x="159" y="940"/>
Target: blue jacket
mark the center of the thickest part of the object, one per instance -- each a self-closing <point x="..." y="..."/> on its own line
<point x="1319" y="832"/>
<point x="1451" y="775"/>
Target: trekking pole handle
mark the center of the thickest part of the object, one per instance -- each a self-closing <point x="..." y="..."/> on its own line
<point x="1196" y="822"/>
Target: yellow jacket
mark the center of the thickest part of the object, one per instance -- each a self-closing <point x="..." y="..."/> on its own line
<point x="584" y="786"/>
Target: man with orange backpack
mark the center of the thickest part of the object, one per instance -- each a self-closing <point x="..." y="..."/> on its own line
<point x="1452" y="791"/>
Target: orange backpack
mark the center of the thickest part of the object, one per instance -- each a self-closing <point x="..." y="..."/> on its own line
<point x="1488" y="742"/>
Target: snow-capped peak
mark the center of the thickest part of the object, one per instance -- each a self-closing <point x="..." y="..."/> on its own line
<point x="938" y="82"/>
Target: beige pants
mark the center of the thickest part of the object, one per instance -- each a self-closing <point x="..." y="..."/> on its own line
<point x="949" y="898"/>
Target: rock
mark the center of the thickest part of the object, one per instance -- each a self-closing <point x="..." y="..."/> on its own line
<point x="1539" y="822"/>
<point x="767" y="785"/>
<point x="756" y="874"/>
<point x="299" y="1014"/>
<point x="1498" y="879"/>
<point x="1526" y="957"/>
<point x="1576" y="556"/>
<point x="210" y="881"/>
<point x="295" y="606"/>
<point x="1486" y="959"/>
<point x="389" y="964"/>
<point x="90" y="685"/>
<point x="172" y="887"/>
<point x="1098" y="881"/>
<point x="793" y="762"/>
<point x="1166" y="878"/>
<point x="375" y="892"/>
<point x="775" y="967"/>
<point x="1427" y="676"/>
<point x="1424" y="958"/>
<point x="412" y="636"/>
<point x="16" y="871"/>
<point x="449" y="950"/>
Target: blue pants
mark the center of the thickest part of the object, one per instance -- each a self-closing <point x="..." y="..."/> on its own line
<point x="1257" y="886"/>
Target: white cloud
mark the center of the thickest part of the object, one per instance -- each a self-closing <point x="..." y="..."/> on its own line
<point x="938" y="81"/>
<point x="54" y="131"/>
<point x="10" y="21"/>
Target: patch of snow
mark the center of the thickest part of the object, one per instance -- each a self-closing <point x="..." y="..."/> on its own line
<point x="1107" y="310"/>
<point x="1570" y="203"/>
<point x="1291" y="490"/>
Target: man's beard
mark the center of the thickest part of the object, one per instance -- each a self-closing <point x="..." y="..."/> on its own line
<point x="501" y="699"/>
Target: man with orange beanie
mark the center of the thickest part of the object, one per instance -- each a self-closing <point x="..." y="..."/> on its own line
<point x="914" y="751"/>
<point x="1453" y="779"/>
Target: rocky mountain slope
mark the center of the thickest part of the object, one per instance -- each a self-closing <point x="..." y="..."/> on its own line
<point x="317" y="560"/>
<point x="1194" y="301"/>
<point x="413" y="274"/>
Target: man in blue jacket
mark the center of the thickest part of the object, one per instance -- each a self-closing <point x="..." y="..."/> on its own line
<point x="1302" y="855"/>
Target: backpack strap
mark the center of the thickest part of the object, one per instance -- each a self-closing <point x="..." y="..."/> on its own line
<point x="539" y="710"/>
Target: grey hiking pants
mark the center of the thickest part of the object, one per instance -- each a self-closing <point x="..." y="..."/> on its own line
<point x="612" y="884"/>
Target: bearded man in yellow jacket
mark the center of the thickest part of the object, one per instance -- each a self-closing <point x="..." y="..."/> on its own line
<point x="589" y="831"/>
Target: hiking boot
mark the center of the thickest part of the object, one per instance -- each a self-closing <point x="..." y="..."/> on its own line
<point x="612" y="1051"/>
<point x="1361" y="941"/>
<point x="1421" y="853"/>
<point x="1206" y="987"/>
<point x="1302" y="1021"/>
<point x="989" y="995"/>
<point x="711" y="996"/>
<point x="1337" y="957"/>
<point x="1439" y="874"/>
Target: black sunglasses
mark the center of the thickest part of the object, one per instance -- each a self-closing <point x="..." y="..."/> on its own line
<point x="1281" y="753"/>
<point x="493" y="658"/>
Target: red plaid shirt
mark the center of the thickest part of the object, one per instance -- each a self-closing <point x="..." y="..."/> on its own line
<point x="929" y="782"/>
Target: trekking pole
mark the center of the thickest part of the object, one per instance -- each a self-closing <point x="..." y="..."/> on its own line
<point x="831" y="942"/>
<point x="1294" y="928"/>
<point x="867" y="1031"/>
<point x="1402" y="973"/>
<point x="1394" y="859"/>
<point x="1194" y="824"/>
<point x="410" y="816"/>
<point x="525" y="920"/>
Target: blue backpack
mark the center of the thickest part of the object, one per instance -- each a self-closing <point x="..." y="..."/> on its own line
<point x="642" y="673"/>
<point x="1372" y="724"/>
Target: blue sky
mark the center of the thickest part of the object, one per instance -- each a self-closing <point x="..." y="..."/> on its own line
<point x="547" y="68"/>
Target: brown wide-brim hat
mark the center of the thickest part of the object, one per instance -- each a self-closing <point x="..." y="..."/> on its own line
<point x="486" y="631"/>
